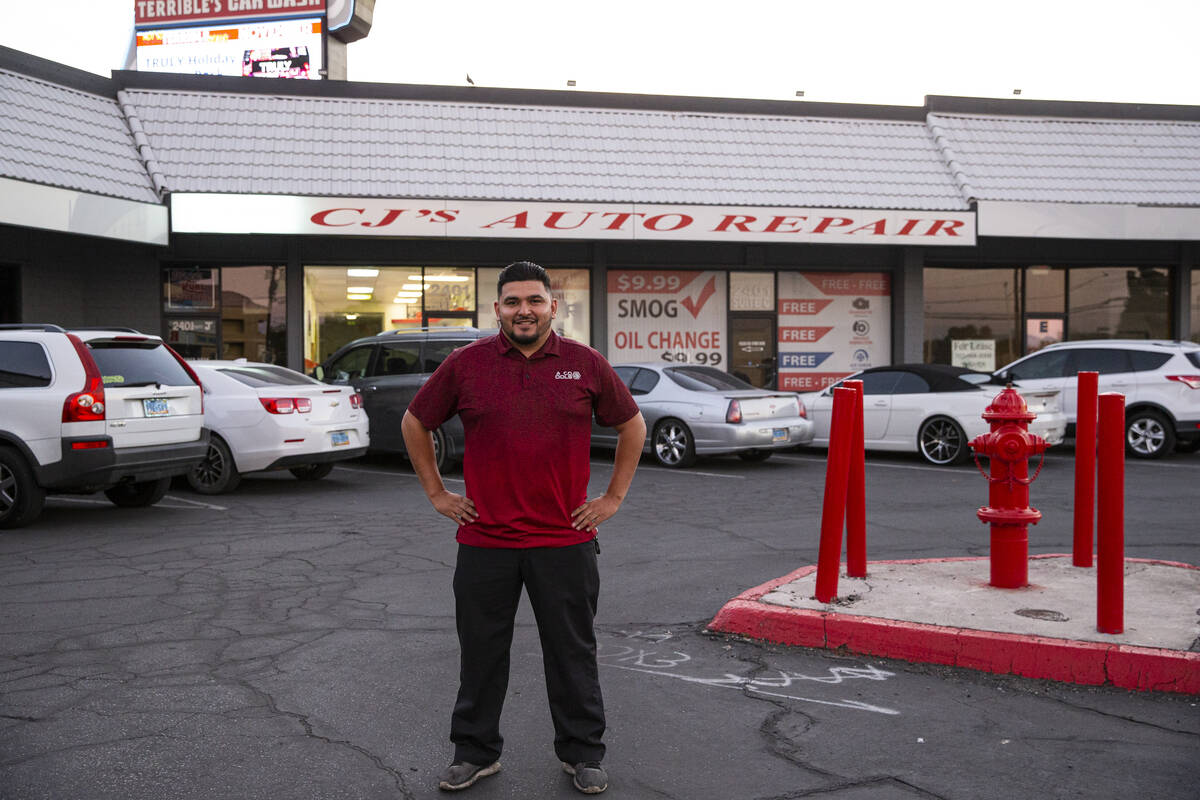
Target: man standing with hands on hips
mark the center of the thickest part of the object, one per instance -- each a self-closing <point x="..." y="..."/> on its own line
<point x="526" y="398"/>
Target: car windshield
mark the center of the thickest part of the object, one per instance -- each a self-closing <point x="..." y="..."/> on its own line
<point x="705" y="379"/>
<point x="137" y="364"/>
<point x="977" y="378"/>
<point x="258" y="377"/>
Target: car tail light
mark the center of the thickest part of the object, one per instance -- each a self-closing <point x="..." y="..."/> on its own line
<point x="89" y="445"/>
<point x="188" y="369"/>
<point x="734" y="413"/>
<point x="86" y="405"/>
<point x="286" y="405"/>
<point x="801" y="411"/>
<point x="1190" y="381"/>
<point x="356" y="400"/>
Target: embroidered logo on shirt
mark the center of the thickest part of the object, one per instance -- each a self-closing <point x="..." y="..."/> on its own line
<point x="567" y="376"/>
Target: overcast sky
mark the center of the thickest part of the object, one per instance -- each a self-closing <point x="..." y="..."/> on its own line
<point x="869" y="51"/>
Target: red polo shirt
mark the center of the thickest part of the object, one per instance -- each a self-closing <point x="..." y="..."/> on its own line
<point x="528" y="424"/>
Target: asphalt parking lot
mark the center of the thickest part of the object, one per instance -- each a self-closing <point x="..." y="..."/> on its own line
<point x="297" y="640"/>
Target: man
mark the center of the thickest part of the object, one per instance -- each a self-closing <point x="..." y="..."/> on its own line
<point x="526" y="398"/>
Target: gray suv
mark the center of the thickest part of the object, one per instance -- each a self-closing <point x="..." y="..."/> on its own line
<point x="387" y="370"/>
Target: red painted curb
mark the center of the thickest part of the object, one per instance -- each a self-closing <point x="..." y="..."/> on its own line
<point x="1065" y="660"/>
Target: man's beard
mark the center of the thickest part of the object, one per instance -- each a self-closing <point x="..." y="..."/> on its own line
<point x="526" y="338"/>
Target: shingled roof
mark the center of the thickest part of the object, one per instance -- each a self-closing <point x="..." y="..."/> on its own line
<point x="68" y="137"/>
<point x="332" y="146"/>
<point x="1040" y="159"/>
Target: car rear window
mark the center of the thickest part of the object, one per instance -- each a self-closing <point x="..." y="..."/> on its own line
<point x="23" y="364"/>
<point x="1194" y="357"/>
<point x="705" y="379"/>
<point x="257" y="377"/>
<point x="1146" y="360"/>
<point x="137" y="364"/>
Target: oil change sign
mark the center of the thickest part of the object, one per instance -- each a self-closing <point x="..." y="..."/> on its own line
<point x="666" y="315"/>
<point x="832" y="324"/>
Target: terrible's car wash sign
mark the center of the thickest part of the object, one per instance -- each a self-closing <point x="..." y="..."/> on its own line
<point x="372" y="216"/>
<point x="666" y="315"/>
<point x="250" y="38"/>
<point x="832" y="324"/>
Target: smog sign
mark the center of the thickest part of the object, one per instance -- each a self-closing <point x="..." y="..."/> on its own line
<point x="666" y="315"/>
<point x="832" y="324"/>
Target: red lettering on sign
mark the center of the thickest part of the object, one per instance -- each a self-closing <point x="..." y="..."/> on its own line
<point x="322" y="217"/>
<point x="947" y="226"/>
<point x="876" y="228"/>
<point x="909" y="224"/>
<point x="739" y="221"/>
<point x="652" y="222"/>
<point x="834" y="222"/>
<point x="851" y="283"/>
<point x="392" y="215"/>
<point x="620" y="218"/>
<point x="517" y="221"/>
<point x="776" y="222"/>
<point x="555" y="216"/>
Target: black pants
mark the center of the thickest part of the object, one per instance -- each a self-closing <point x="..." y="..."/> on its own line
<point x="563" y="584"/>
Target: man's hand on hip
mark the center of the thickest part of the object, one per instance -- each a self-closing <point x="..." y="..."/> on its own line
<point x="455" y="506"/>
<point x="593" y="512"/>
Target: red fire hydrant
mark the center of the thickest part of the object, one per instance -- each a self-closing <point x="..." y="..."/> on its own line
<point x="1009" y="445"/>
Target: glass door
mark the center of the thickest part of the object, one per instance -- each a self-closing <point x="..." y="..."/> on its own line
<point x="752" y="349"/>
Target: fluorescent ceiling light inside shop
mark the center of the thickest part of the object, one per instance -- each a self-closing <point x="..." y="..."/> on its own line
<point x="362" y="273"/>
<point x="444" y="278"/>
<point x="414" y="287"/>
<point x="358" y="297"/>
<point x="360" y="289"/>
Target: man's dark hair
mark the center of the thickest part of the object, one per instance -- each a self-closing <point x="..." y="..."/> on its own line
<point x="522" y="271"/>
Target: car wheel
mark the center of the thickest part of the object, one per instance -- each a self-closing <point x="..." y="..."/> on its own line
<point x="215" y="473"/>
<point x="312" y="472"/>
<point x="673" y="444"/>
<point x="1148" y="434"/>
<point x="21" y="499"/>
<point x="942" y="442"/>
<point x="754" y="456"/>
<point x="138" y="495"/>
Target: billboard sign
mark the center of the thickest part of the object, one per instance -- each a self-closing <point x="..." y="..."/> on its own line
<point x="169" y="13"/>
<point x="285" y="48"/>
<point x="666" y="315"/>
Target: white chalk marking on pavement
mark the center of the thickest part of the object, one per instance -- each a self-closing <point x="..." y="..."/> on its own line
<point x="88" y="500"/>
<point x="818" y="460"/>
<point x="196" y="503"/>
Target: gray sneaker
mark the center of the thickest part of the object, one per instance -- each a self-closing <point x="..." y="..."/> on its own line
<point x="590" y="777"/>
<point x="462" y="774"/>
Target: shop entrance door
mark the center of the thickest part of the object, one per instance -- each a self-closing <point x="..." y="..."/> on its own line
<point x="752" y="350"/>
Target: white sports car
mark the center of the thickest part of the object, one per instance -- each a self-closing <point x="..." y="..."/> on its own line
<point x="931" y="409"/>
<point x="267" y="417"/>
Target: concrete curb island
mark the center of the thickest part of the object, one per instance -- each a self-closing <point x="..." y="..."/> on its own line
<point x="904" y="607"/>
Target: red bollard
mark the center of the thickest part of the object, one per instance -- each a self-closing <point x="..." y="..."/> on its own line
<point x="1110" y="516"/>
<point x="833" y="512"/>
<point x="856" y="492"/>
<point x="1085" y="469"/>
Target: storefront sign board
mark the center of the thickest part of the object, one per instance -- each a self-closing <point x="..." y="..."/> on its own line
<point x="832" y="324"/>
<point x="33" y="205"/>
<point x="160" y="13"/>
<point x="344" y="216"/>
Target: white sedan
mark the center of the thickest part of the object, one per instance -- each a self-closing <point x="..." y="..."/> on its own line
<point x="267" y="417"/>
<point x="931" y="409"/>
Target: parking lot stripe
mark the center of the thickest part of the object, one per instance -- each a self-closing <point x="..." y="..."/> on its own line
<point x="675" y="471"/>
<point x="195" y="502"/>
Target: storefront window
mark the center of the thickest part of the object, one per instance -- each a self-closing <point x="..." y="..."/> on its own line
<point x="1119" y="303"/>
<point x="1045" y="290"/>
<point x="227" y="312"/>
<point x="971" y="316"/>
<point x="571" y="289"/>
<point x="832" y="324"/>
<point x="667" y="315"/>
<point x="254" y="314"/>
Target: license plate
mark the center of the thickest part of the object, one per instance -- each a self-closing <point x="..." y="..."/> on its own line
<point x="339" y="438"/>
<point x="156" y="407"/>
<point x="780" y="435"/>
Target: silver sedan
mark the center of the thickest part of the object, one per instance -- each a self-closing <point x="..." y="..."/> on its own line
<point x="693" y="410"/>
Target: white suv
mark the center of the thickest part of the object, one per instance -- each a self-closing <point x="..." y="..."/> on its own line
<point x="109" y="410"/>
<point x="1160" y="380"/>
